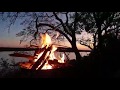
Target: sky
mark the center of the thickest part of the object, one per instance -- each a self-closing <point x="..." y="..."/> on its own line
<point x="9" y="39"/>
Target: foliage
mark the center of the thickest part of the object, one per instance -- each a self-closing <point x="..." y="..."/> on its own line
<point x="7" y="69"/>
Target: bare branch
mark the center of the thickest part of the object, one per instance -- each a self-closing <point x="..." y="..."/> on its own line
<point x="66" y="18"/>
<point x="36" y="28"/>
<point x="45" y="24"/>
<point x="108" y="23"/>
<point x="87" y="46"/>
<point x="60" y="20"/>
<point x="75" y="21"/>
<point x="49" y="15"/>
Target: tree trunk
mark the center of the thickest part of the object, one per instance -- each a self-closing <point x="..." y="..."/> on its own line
<point x="99" y="22"/>
<point x="78" y="56"/>
<point x="94" y="44"/>
<point x="117" y="31"/>
<point x="99" y="38"/>
<point x="75" y="49"/>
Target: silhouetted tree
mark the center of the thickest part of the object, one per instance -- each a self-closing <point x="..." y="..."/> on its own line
<point x="67" y="24"/>
<point x="99" y="24"/>
<point x="37" y="22"/>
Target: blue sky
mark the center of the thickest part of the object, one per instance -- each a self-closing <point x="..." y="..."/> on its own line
<point x="9" y="38"/>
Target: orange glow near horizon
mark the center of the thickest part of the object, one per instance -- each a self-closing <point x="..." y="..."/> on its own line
<point x="11" y="43"/>
<point x="15" y="42"/>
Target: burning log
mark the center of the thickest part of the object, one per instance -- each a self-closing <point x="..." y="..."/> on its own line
<point x="55" y="64"/>
<point x="26" y="65"/>
<point x="39" y="50"/>
<point x="51" y="62"/>
<point x="44" y="61"/>
<point x="51" y="49"/>
<point x="39" y="61"/>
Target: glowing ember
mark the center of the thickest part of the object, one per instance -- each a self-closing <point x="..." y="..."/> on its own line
<point x="46" y="66"/>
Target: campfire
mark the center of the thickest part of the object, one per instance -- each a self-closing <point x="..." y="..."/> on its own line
<point x="44" y="58"/>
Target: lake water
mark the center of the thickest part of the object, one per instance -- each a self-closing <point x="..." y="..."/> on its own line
<point x="5" y="55"/>
<point x="10" y="69"/>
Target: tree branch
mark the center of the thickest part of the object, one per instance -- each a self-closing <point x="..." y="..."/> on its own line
<point x="70" y="28"/>
<point x="94" y="37"/>
<point x="108" y="23"/>
<point x="75" y="21"/>
<point x="87" y="46"/>
<point x="60" y="20"/>
<point x="45" y="24"/>
<point x="36" y="27"/>
<point x="66" y="18"/>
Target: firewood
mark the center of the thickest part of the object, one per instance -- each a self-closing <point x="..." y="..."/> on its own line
<point x="42" y="64"/>
<point x="26" y="65"/>
<point x="45" y="60"/>
<point x="55" y="64"/>
<point x="39" y="50"/>
<point x="43" y="57"/>
<point x="53" y="61"/>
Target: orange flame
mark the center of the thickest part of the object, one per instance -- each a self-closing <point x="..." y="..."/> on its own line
<point x="45" y="41"/>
